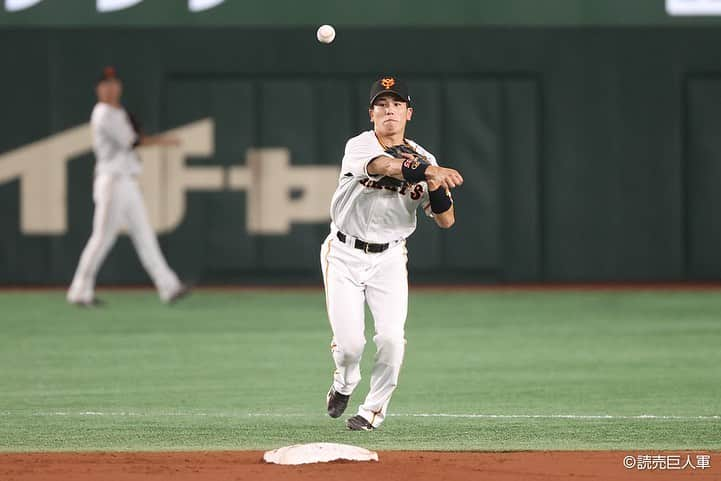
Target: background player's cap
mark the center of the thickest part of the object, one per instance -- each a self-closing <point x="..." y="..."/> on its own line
<point x="389" y="84"/>
<point x="108" y="73"/>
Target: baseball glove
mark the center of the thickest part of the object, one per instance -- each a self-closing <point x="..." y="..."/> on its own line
<point x="135" y="123"/>
<point x="397" y="152"/>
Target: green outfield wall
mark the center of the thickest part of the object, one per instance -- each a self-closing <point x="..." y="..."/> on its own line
<point x="366" y="13"/>
<point x="590" y="154"/>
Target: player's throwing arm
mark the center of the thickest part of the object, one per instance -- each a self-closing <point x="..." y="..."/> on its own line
<point x="409" y="166"/>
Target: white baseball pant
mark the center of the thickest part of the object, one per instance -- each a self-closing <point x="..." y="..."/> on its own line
<point x="118" y="204"/>
<point x="353" y="277"/>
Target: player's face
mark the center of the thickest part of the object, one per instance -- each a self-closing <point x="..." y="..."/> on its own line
<point x="110" y="91"/>
<point x="115" y="89"/>
<point x="390" y="114"/>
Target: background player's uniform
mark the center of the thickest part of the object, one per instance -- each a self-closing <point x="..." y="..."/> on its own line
<point x="118" y="204"/>
<point x="366" y="209"/>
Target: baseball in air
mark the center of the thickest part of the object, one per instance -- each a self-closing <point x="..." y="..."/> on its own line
<point x="325" y="34"/>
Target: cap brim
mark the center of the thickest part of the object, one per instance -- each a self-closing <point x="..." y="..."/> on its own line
<point x="387" y="91"/>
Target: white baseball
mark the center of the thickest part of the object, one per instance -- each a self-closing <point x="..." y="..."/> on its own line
<point x="325" y="34"/>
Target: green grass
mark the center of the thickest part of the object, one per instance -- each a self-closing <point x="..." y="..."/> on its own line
<point x="249" y="370"/>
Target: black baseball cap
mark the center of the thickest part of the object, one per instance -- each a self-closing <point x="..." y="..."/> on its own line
<point x="389" y="84"/>
<point x="108" y="73"/>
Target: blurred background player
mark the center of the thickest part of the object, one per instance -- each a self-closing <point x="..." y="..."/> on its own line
<point x="117" y="197"/>
<point x="384" y="178"/>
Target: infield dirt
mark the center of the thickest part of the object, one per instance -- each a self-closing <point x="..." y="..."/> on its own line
<point x="393" y="465"/>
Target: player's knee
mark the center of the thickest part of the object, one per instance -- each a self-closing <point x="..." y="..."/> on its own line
<point x="350" y="351"/>
<point x="99" y="240"/>
<point x="390" y="348"/>
<point x="96" y="239"/>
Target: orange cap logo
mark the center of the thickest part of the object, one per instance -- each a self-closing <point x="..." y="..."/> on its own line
<point x="109" y="72"/>
<point x="388" y="82"/>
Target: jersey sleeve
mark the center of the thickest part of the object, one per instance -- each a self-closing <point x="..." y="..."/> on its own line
<point x="117" y="128"/>
<point x="359" y="152"/>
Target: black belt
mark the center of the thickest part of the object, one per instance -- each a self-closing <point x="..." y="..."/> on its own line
<point x="364" y="246"/>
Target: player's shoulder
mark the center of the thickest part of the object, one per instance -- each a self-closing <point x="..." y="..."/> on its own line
<point x="103" y="112"/>
<point x="99" y="110"/>
<point x="363" y="140"/>
<point x="424" y="152"/>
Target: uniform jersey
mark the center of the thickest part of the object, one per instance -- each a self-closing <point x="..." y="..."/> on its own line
<point x="113" y="141"/>
<point x="371" y="210"/>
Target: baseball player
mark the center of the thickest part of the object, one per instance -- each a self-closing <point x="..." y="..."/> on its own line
<point x="384" y="178"/>
<point x="118" y="201"/>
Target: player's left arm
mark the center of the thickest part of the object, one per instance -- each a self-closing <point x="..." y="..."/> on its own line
<point x="158" y="140"/>
<point x="143" y="139"/>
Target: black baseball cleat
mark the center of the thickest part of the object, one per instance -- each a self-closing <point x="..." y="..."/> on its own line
<point x="359" y="423"/>
<point x="336" y="403"/>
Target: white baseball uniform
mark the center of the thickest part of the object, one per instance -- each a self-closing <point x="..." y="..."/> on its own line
<point x="118" y="204"/>
<point x="364" y="210"/>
